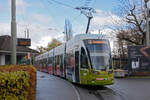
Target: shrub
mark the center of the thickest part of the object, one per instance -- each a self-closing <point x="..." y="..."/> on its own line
<point x="17" y="82"/>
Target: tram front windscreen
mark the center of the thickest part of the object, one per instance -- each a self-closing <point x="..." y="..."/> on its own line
<point x="99" y="52"/>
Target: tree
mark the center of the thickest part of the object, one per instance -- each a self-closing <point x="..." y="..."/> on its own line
<point x="133" y="17"/>
<point x="130" y="29"/>
<point x="54" y="43"/>
<point x="41" y="49"/>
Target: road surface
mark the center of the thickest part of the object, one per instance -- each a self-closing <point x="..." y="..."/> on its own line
<point x="131" y="89"/>
<point x="50" y="87"/>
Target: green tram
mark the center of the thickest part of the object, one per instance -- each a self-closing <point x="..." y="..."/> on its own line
<point x="85" y="59"/>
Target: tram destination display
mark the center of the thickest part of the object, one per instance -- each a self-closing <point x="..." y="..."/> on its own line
<point x="139" y="60"/>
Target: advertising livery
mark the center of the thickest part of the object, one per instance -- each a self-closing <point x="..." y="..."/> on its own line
<point x="85" y="59"/>
<point x="139" y="60"/>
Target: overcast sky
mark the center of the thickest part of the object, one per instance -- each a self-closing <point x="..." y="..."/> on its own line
<point x="45" y="19"/>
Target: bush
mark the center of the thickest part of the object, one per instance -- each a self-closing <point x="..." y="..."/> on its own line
<point x="17" y="82"/>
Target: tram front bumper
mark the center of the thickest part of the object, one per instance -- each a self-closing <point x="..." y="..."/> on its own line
<point x="101" y="81"/>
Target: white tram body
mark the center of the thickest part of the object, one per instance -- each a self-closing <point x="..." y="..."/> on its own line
<point x="85" y="59"/>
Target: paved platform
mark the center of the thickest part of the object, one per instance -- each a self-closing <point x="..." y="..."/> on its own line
<point x="50" y="87"/>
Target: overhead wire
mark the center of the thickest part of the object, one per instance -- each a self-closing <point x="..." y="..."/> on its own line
<point x="94" y="3"/>
<point x="87" y="3"/>
<point x="66" y="5"/>
<point x="69" y="6"/>
<point x="58" y="2"/>
<point x="48" y="10"/>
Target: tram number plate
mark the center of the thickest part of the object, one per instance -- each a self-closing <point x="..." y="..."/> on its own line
<point x="100" y="79"/>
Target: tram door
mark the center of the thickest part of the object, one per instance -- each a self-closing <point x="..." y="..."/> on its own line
<point x="77" y="66"/>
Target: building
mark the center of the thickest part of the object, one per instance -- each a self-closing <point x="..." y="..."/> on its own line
<point x="5" y="51"/>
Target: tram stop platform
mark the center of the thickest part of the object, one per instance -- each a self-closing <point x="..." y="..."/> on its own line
<point x="50" y="87"/>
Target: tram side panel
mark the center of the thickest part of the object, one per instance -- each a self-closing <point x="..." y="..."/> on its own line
<point x="50" y="66"/>
<point x="61" y="65"/>
<point x="52" y="62"/>
<point x="41" y="65"/>
<point x="58" y="65"/>
<point x="55" y="69"/>
<point x="59" y="60"/>
<point x="44" y="63"/>
<point x="70" y="65"/>
<point x="70" y="61"/>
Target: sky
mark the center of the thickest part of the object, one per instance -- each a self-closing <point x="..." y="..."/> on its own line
<point x="45" y="19"/>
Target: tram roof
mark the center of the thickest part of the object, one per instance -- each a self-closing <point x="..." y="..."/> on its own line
<point x="50" y="53"/>
<point x="60" y="49"/>
<point x="88" y="36"/>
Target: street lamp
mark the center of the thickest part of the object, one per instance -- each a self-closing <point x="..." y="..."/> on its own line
<point x="147" y="23"/>
<point x="13" y="31"/>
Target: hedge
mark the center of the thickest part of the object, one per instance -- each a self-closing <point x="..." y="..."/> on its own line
<point x="17" y="82"/>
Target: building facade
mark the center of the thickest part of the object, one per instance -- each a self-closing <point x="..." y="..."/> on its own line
<point x="5" y="51"/>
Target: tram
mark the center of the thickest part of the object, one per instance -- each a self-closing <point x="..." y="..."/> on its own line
<point x="85" y="59"/>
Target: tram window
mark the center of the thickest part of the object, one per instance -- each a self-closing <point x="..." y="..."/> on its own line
<point x="50" y="60"/>
<point x="61" y="60"/>
<point x="45" y="61"/>
<point x="84" y="60"/>
<point x="68" y="60"/>
<point x="57" y="60"/>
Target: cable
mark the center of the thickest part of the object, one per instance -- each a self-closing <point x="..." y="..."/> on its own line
<point x="58" y="2"/>
<point x="87" y="3"/>
<point x="94" y="3"/>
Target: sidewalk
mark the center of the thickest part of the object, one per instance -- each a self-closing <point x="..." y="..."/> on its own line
<point x="53" y="88"/>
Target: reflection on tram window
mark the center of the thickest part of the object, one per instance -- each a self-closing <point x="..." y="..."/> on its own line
<point x="99" y="52"/>
<point x="84" y="60"/>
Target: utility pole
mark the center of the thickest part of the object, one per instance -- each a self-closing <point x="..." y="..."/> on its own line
<point x="13" y="32"/>
<point x="147" y="23"/>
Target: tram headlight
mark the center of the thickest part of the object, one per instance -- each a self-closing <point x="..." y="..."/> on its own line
<point x="93" y="81"/>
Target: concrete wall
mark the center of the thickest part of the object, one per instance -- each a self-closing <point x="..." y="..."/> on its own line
<point x="2" y="59"/>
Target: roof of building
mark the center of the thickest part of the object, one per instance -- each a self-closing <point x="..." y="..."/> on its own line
<point x="6" y="47"/>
